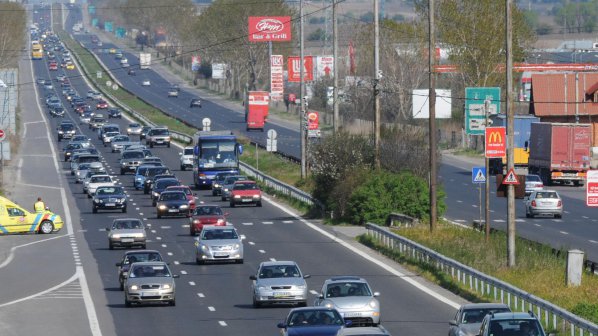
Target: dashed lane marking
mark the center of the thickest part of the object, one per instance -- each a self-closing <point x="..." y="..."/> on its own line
<point x="210" y="308"/>
<point x="268" y="223"/>
<point x="247" y="223"/>
<point x="163" y="245"/>
<point x="538" y="225"/>
<point x="222" y="323"/>
<point x="170" y="254"/>
<point x="251" y="243"/>
<point x="201" y="295"/>
<point x="288" y="222"/>
<point x="176" y="262"/>
<point x="563" y="232"/>
<point x="165" y="227"/>
<point x="261" y="251"/>
<point x="499" y="220"/>
<point x="593" y="241"/>
<point x="191" y="283"/>
<point x="313" y="292"/>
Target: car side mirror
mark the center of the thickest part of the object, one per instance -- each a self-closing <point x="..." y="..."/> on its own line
<point x="453" y="323"/>
<point x="306" y="276"/>
<point x="118" y="264"/>
<point x="376" y="294"/>
<point x="282" y="325"/>
<point x="175" y="276"/>
<point x="252" y="277"/>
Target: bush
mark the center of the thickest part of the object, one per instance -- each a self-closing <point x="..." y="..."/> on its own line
<point x="383" y="193"/>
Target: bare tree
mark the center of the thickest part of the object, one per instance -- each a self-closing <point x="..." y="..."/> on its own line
<point x="12" y="32"/>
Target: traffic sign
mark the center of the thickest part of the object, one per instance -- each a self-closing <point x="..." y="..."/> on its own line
<point x="496" y="142"/>
<point x="2" y="135"/>
<point x="271" y="145"/>
<point x="98" y="74"/>
<point x="206" y="122"/>
<point x="478" y="175"/>
<point x="511" y="178"/>
<point x="592" y="188"/>
<point x="475" y="112"/>
<point x="272" y="134"/>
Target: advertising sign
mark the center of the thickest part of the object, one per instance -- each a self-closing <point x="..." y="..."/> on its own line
<point x="218" y="71"/>
<point x="496" y="142"/>
<point x="421" y="106"/>
<point x="269" y="28"/>
<point x="324" y="66"/>
<point x="313" y="120"/>
<point x="276" y="78"/>
<point x="475" y="114"/>
<point x="120" y="32"/>
<point x="294" y="68"/>
<point x="91" y="9"/>
<point x="592" y="188"/>
<point x="195" y="63"/>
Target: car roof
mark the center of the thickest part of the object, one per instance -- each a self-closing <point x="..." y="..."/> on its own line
<point x="346" y="278"/>
<point x="512" y="316"/>
<point x="126" y="219"/>
<point x="149" y="263"/>
<point x="165" y="192"/>
<point x="277" y="263"/>
<point x="142" y="251"/>
<point x="216" y="227"/>
<point x="483" y="305"/>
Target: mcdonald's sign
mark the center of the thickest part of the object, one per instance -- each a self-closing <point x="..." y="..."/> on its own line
<point x="496" y="142"/>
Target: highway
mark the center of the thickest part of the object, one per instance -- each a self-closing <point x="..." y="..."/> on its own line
<point x="211" y="299"/>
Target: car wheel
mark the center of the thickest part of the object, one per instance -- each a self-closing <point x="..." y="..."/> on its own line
<point x="256" y="304"/>
<point x="239" y="261"/>
<point x="122" y="284"/>
<point x="302" y="304"/>
<point x="213" y="193"/>
<point x="192" y="231"/>
<point x="558" y="216"/>
<point x="159" y="215"/>
<point x="46" y="227"/>
<point x="88" y="195"/>
<point x="168" y="145"/>
<point x="199" y="261"/>
<point x="143" y="247"/>
<point x="124" y="210"/>
<point x="172" y="303"/>
<point x="223" y="198"/>
<point x="151" y="145"/>
<point x="259" y="204"/>
<point x="232" y="204"/>
<point x="154" y="203"/>
<point x="145" y="191"/>
<point x="94" y="210"/>
<point x="527" y="215"/>
<point x="182" y="168"/>
<point x="127" y="303"/>
<point x="122" y="172"/>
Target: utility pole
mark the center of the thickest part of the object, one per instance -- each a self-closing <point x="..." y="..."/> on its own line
<point x="432" y="106"/>
<point x="302" y="96"/>
<point x="376" y="82"/>
<point x="510" y="138"/>
<point x="336" y="120"/>
<point x="487" y="184"/>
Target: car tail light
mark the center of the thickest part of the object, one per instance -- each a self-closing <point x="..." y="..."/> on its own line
<point x="220" y="222"/>
<point x="196" y="221"/>
<point x="559" y="204"/>
<point x="533" y="203"/>
<point x="540" y="185"/>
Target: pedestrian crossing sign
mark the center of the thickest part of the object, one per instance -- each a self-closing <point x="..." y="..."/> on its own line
<point x="511" y="178"/>
<point x="478" y="175"/>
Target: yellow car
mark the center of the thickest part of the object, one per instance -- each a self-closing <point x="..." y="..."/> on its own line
<point x="112" y="51"/>
<point x="70" y="66"/>
<point x="15" y="219"/>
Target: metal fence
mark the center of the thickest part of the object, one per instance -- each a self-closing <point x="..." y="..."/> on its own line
<point x="552" y="316"/>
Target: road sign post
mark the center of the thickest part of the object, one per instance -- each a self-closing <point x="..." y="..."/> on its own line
<point x="592" y="188"/>
<point x="206" y="122"/>
<point x="478" y="176"/>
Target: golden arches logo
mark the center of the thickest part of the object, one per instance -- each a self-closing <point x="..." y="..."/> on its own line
<point x="495" y="138"/>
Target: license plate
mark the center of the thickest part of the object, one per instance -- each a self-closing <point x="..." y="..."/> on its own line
<point x="149" y="293"/>
<point x="110" y="204"/>
<point x="128" y="240"/>
<point x="173" y="210"/>
<point x="352" y="314"/>
<point x="246" y="200"/>
<point x="282" y="294"/>
<point x="220" y="254"/>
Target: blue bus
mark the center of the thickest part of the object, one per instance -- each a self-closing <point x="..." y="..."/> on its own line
<point x="214" y="152"/>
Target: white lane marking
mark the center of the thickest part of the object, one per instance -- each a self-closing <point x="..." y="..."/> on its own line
<point x="210" y="308"/>
<point x="159" y="238"/>
<point x="134" y="204"/>
<point x="191" y="283"/>
<point x="585" y="217"/>
<point x="287" y="222"/>
<point x="243" y="237"/>
<point x="137" y="209"/>
<point x="272" y="259"/>
<point x="538" y="225"/>
<point x="566" y="212"/>
<point x="520" y="220"/>
<point x="313" y="292"/>
<point x="473" y="205"/>
<point x="165" y="227"/>
<point x="563" y="232"/>
<point x="176" y="262"/>
<point x="593" y="241"/>
<point x="183" y="272"/>
<point x="141" y="214"/>
<point x="261" y="251"/>
<point x="64" y="283"/>
<point x="153" y="231"/>
<point x="459" y="201"/>
<point x="499" y="220"/>
<point x="11" y="255"/>
<point x="170" y="254"/>
<point x="19" y="167"/>
<point x="148" y="224"/>
<point x="201" y="295"/>
<point x="369" y="258"/>
<point x="460" y="220"/>
<point x="91" y="313"/>
<point x="247" y="223"/>
<point x="222" y="323"/>
<point x="163" y="245"/>
<point x="251" y="243"/>
<point x="268" y="223"/>
<point x="39" y="186"/>
<point x="185" y="225"/>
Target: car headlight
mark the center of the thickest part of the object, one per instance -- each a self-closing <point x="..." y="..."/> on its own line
<point x="60" y="132"/>
<point x="138" y="235"/>
<point x="216" y="185"/>
<point x="220" y="222"/>
<point x="138" y="179"/>
<point x="166" y="286"/>
<point x="329" y="305"/>
<point x="134" y="287"/>
<point x="237" y="196"/>
<point x="226" y="189"/>
<point x="256" y="196"/>
<point x="262" y="287"/>
<point x="373" y="303"/>
<point x="162" y="207"/>
<point x="123" y="199"/>
<point x="116" y="236"/>
<point x="156" y="194"/>
<point x="204" y="247"/>
<point x="236" y="246"/>
<point x="184" y="206"/>
<point x="98" y="200"/>
<point x="301" y="286"/>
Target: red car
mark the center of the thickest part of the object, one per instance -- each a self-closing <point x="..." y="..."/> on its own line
<point x="206" y="215"/>
<point x="102" y="104"/>
<point x="190" y="195"/>
<point x="53" y="66"/>
<point x="245" y="192"/>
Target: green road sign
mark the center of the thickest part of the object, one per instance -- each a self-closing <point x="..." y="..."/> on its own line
<point x="475" y="98"/>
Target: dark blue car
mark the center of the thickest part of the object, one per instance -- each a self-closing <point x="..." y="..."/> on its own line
<point x="313" y="321"/>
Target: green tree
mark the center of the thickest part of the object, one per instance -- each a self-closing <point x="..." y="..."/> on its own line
<point x="13" y="19"/>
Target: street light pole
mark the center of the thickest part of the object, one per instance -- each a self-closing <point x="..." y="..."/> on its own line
<point x="510" y="137"/>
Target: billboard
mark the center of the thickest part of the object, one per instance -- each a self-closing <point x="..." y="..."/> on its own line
<point x="218" y="71"/>
<point x="592" y="188"/>
<point x="195" y="63"/>
<point x="294" y="68"/>
<point x="324" y="66"/>
<point x="496" y="142"/>
<point x="269" y="28"/>
<point x="276" y="77"/>
<point x="421" y="106"/>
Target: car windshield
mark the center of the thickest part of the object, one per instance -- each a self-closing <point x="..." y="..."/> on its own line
<point x="515" y="327"/>
<point x="68" y="127"/>
<point x="163" y="184"/>
<point x="111" y="129"/>
<point x="245" y="186"/>
<point x="188" y="151"/>
<point x="477" y="315"/>
<point x="154" y="271"/>
<point x="307" y="318"/>
<point x="233" y="179"/>
<point x="185" y="190"/>
<point x="160" y="131"/>
<point x="125" y="224"/>
<point x="221" y="176"/>
<point x="219" y="234"/>
<point x="100" y="179"/>
<point x="134" y="125"/>
<point x="533" y="178"/>
<point x="174" y="196"/>
<point x="141" y="257"/>
<point x="133" y="155"/>
<point x="83" y="159"/>
<point x="208" y="211"/>
<point x="341" y="289"/>
<point x="157" y="171"/>
<point x="110" y="191"/>
<point x="83" y="166"/>
<point x="121" y="138"/>
<point x="545" y="194"/>
<point x="279" y="271"/>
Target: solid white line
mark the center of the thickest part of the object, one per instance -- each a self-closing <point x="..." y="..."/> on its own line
<point x="90" y="308"/>
<point x="499" y="220"/>
<point x="388" y="268"/>
<point x="38" y="186"/>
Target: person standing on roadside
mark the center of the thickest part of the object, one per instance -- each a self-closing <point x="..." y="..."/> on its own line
<point x="39" y="206"/>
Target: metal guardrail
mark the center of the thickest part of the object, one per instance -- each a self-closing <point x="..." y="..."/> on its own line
<point x="551" y="315"/>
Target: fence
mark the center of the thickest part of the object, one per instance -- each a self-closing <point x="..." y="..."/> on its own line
<point x="551" y="315"/>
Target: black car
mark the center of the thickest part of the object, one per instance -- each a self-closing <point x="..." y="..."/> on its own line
<point x="149" y="175"/>
<point x="172" y="203"/>
<point x="218" y="181"/>
<point x="161" y="185"/>
<point x="131" y="72"/>
<point x="65" y="130"/>
<point x="57" y="111"/>
<point x="144" y="131"/>
<point x="114" y="113"/>
<point x="110" y="198"/>
<point x="195" y="102"/>
<point x="69" y="149"/>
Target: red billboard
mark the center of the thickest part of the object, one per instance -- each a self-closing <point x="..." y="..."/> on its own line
<point x="592" y="188"/>
<point x="269" y="28"/>
<point x="313" y="120"/>
<point x="496" y="142"/>
<point x="294" y="68"/>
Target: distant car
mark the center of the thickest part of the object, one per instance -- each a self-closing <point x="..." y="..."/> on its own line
<point x="102" y="104"/>
<point x="219" y="243"/>
<point x="126" y="232"/>
<point x="118" y="143"/>
<point x="108" y="136"/>
<point x="53" y="66"/>
<point x="469" y="317"/>
<point x="70" y="66"/>
<point x="313" y="321"/>
<point x="533" y="183"/>
<point x="245" y="192"/>
<point x="145" y="173"/>
<point x="191" y="196"/>
<point x="66" y="130"/>
<point x="48" y="85"/>
<point x="131" y="257"/>
<point x="146" y="82"/>
<point x="150" y="282"/>
<point x="186" y="158"/>
<point x="91" y="94"/>
<point x="173" y="92"/>
<point x="144" y="131"/>
<point x="109" y="198"/>
<point x="124" y="61"/>
<point x="131" y="72"/>
<point x="499" y="324"/>
<point x="57" y="111"/>
<point x="114" y="113"/>
<point x="118" y="55"/>
<point x="544" y="202"/>
<point x="160" y="185"/>
<point x="195" y="102"/>
<point x="204" y="215"/>
<point x="134" y="128"/>
<point x="218" y="181"/>
<point x="130" y="160"/>
<point x="279" y="282"/>
<point x="227" y="185"/>
<point x="172" y="203"/>
<point x="85" y="118"/>
<point x="158" y="136"/>
<point x="96" y="182"/>
<point x="353" y="298"/>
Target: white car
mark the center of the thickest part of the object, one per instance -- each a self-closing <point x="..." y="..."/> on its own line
<point x="146" y="82"/>
<point x="107" y="137"/>
<point x="101" y="180"/>
<point x="186" y="158"/>
<point x="91" y="94"/>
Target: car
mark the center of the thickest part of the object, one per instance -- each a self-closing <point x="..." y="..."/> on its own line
<point x="112" y="51"/>
<point x="469" y="317"/>
<point x="195" y="102"/>
<point x="102" y="104"/>
<point x="130" y="160"/>
<point x="160" y="185"/>
<point x="245" y="192"/>
<point x="227" y="185"/>
<point x="126" y="232"/>
<point x="83" y="170"/>
<point x="364" y="331"/>
<point x="114" y="113"/>
<point x="83" y="139"/>
<point x="118" y="55"/>
<point x="145" y="174"/>
<point x="144" y="131"/>
<point x="66" y="130"/>
<point x="191" y="197"/>
<point x="152" y="160"/>
<point x="41" y="81"/>
<point x="313" y="321"/>
<point x="91" y="94"/>
<point x="109" y="198"/>
<point x="131" y="72"/>
<point x="544" y="202"/>
<point x="61" y="78"/>
<point x="124" y="61"/>
<point x="108" y="136"/>
<point x="218" y="243"/>
<point x="146" y="82"/>
<point x="186" y="158"/>
<point x="118" y="142"/>
<point x="279" y="282"/>
<point x="86" y="155"/>
<point x="172" y="203"/>
<point x="48" y="85"/>
<point x="134" y="128"/>
<point x="70" y="66"/>
<point x="107" y="128"/>
<point x="57" y="112"/>
<point x="533" y="183"/>
<point x="53" y="66"/>
<point x="502" y="324"/>
<point x="53" y="102"/>
<point x="131" y="257"/>
<point x="218" y="181"/>
<point x="206" y="215"/>
<point x="85" y="117"/>
<point x="97" y="121"/>
<point x="96" y="181"/>
<point x="16" y="219"/>
<point x="69" y="148"/>
<point x="150" y="282"/>
<point x="158" y="136"/>
<point x="172" y="92"/>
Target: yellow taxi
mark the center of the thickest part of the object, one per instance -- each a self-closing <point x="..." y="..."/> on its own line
<point x="70" y="66"/>
<point x="112" y="50"/>
<point x="15" y="219"/>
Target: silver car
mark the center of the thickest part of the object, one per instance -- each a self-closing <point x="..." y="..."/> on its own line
<point x="118" y="143"/>
<point x="469" y="317"/>
<point x="218" y="243"/>
<point x="227" y="185"/>
<point x="134" y="129"/>
<point x="150" y="282"/>
<point x="353" y="298"/>
<point x="131" y="257"/>
<point x="126" y="232"/>
<point x="533" y="183"/>
<point x="545" y="202"/>
<point x="364" y="331"/>
<point x="279" y="282"/>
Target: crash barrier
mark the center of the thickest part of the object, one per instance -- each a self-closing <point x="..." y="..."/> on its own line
<point x="181" y="137"/>
<point x="398" y="220"/>
<point x="552" y="316"/>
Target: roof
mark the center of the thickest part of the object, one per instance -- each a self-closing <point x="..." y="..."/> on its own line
<point x="346" y="278"/>
<point x="516" y="315"/>
<point x="277" y="263"/>
<point x="484" y="305"/>
<point x="554" y="94"/>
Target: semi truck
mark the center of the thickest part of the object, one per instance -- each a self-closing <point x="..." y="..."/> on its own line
<point x="522" y="125"/>
<point x="145" y="60"/>
<point x="560" y="152"/>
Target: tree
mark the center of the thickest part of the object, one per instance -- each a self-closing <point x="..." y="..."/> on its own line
<point x="13" y="19"/>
